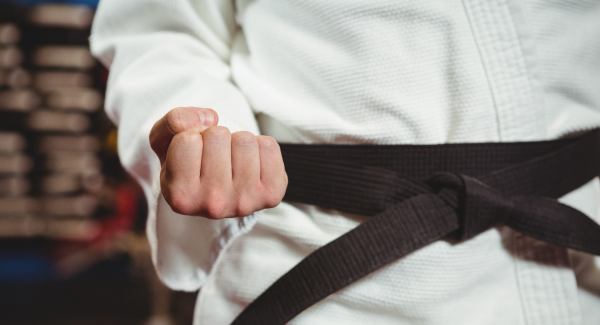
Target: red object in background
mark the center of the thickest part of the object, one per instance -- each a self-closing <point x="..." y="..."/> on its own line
<point x="126" y="211"/>
<point x="103" y="72"/>
<point x="106" y="240"/>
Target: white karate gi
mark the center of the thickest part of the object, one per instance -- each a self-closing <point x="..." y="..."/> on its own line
<point x="360" y="72"/>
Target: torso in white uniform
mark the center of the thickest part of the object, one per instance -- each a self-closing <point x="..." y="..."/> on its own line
<point x="361" y="72"/>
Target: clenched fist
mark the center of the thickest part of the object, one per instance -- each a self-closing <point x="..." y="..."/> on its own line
<point x="208" y="171"/>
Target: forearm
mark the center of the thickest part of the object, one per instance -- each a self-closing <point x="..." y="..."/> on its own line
<point x="162" y="55"/>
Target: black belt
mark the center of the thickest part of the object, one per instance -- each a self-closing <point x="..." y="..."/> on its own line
<point x="418" y="194"/>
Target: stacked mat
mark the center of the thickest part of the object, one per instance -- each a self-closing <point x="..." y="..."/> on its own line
<point x="48" y="111"/>
<point x="17" y="207"/>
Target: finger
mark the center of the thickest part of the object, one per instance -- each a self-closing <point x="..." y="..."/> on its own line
<point x="245" y="165"/>
<point x="176" y="121"/>
<point x="272" y="170"/>
<point x="180" y="182"/>
<point x="215" y="174"/>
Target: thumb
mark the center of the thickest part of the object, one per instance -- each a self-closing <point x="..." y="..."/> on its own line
<point x="178" y="120"/>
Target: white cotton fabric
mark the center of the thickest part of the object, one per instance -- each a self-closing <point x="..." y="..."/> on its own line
<point x="360" y="72"/>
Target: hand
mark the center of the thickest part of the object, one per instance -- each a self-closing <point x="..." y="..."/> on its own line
<point x="208" y="171"/>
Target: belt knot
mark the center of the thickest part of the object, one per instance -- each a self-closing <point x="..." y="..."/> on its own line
<point x="479" y="207"/>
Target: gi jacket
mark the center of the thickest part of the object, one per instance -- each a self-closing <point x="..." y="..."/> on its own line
<point x="360" y="72"/>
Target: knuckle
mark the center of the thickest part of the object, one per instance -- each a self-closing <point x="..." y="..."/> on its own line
<point x="243" y="138"/>
<point x="221" y="131"/>
<point x="244" y="208"/>
<point x="180" y="203"/>
<point x="272" y="199"/>
<point x="265" y="141"/>
<point x="187" y="137"/>
<point x="175" y="120"/>
<point x="180" y="198"/>
<point x="274" y="193"/>
<point x="217" y="133"/>
<point x="214" y="206"/>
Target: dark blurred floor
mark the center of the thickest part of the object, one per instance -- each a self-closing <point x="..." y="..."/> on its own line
<point x="107" y="293"/>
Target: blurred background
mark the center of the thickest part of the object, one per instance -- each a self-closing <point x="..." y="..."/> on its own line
<point x="72" y="242"/>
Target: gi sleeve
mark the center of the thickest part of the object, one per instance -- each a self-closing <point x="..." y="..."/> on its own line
<point x="163" y="54"/>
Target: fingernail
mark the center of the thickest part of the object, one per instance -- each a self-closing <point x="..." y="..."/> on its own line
<point x="207" y="118"/>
